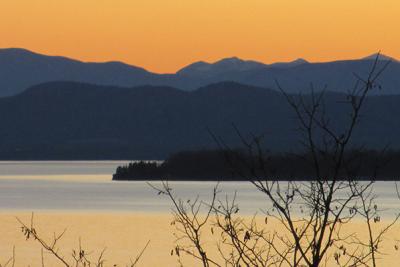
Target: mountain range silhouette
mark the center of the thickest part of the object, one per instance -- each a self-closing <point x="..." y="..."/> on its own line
<point x="20" y="69"/>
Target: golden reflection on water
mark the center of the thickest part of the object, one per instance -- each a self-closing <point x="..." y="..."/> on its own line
<point x="123" y="234"/>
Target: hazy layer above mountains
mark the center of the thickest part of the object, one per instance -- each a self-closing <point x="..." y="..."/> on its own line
<point x="20" y="69"/>
<point x="66" y="120"/>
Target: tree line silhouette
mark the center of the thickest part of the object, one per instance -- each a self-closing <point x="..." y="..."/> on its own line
<point x="220" y="165"/>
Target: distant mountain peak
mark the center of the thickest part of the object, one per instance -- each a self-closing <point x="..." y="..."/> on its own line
<point x="289" y="64"/>
<point x="17" y="51"/>
<point x="381" y="57"/>
<point x="230" y="60"/>
<point x="220" y="66"/>
<point x="300" y="60"/>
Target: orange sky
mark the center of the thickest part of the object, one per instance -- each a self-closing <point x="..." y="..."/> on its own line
<point x="164" y="35"/>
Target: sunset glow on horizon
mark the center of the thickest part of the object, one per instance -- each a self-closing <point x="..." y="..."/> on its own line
<point x="163" y="36"/>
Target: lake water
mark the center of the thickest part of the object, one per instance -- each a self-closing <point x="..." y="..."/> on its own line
<point x="87" y="186"/>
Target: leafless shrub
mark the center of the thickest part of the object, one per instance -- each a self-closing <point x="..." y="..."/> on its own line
<point x="190" y="224"/>
<point x="313" y="213"/>
<point x="80" y="257"/>
<point x="10" y="261"/>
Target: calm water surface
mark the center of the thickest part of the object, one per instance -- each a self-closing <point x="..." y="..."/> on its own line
<point x="87" y="186"/>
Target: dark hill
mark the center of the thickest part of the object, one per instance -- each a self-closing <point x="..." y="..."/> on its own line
<point x="65" y="120"/>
